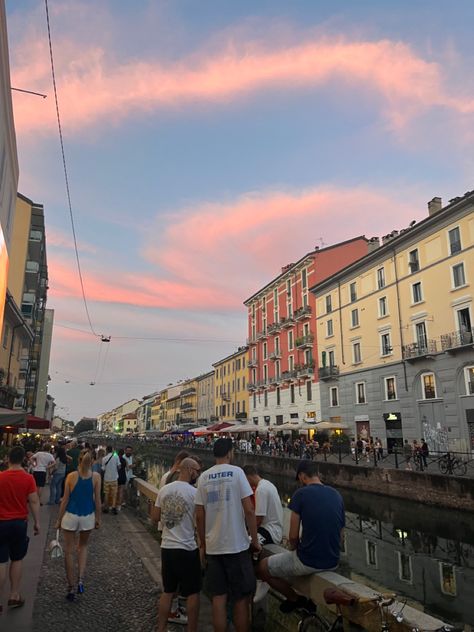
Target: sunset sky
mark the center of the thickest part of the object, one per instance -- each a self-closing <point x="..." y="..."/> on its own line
<point x="210" y="142"/>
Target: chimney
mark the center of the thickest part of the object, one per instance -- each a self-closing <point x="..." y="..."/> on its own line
<point x="373" y="244"/>
<point x="435" y="205"/>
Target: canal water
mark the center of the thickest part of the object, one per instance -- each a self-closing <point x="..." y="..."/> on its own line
<point x="423" y="554"/>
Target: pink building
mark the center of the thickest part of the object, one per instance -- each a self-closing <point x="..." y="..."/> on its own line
<point x="283" y="378"/>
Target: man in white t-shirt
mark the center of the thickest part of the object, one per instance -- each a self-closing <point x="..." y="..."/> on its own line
<point x="110" y="467"/>
<point x="268" y="507"/>
<point x="180" y="560"/>
<point x="223" y="509"/>
<point x="42" y="460"/>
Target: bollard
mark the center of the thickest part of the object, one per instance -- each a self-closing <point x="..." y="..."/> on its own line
<point x="340" y="454"/>
<point x="396" y="457"/>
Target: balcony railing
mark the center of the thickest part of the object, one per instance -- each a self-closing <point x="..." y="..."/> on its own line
<point x="305" y="341"/>
<point x="305" y="370"/>
<point x="188" y="406"/>
<point x="457" y="339"/>
<point x="252" y="340"/>
<point x="251" y="386"/>
<point x="328" y="372"/>
<point x="276" y="379"/>
<point x="418" y="350"/>
<point x="274" y="328"/>
<point x="252" y="363"/>
<point x="188" y="391"/>
<point x="262" y="335"/>
<point x="276" y="355"/>
<point x="289" y="376"/>
<point x="302" y="313"/>
<point x="225" y="397"/>
<point x="288" y="322"/>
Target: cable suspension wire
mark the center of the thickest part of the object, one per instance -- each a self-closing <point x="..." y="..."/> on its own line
<point x="66" y="178"/>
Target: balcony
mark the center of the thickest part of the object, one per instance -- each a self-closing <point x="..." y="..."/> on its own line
<point x="188" y="391"/>
<point x="303" y="313"/>
<point x="262" y="384"/>
<point x="288" y="322"/>
<point x="251" y="386"/>
<point x="289" y="376"/>
<point x="225" y="397"/>
<point x="328" y="372"/>
<point x="251" y="340"/>
<point x="457" y="340"/>
<point x="305" y="342"/>
<point x="276" y="355"/>
<point x="188" y="406"/>
<point x="274" y="328"/>
<point x="7" y="396"/>
<point x="252" y="363"/>
<point x="305" y="370"/>
<point x="275" y="380"/>
<point x="418" y="350"/>
<point x="262" y="335"/>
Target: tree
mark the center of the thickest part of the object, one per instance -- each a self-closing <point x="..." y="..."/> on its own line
<point x="84" y="425"/>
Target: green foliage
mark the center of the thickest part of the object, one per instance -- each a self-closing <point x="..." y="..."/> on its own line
<point x="83" y="426"/>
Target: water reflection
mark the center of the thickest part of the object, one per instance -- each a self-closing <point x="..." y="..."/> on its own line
<point x="420" y="552"/>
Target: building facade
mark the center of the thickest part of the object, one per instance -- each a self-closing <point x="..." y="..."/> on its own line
<point x="112" y="421"/>
<point x="395" y="335"/>
<point x="282" y="380"/>
<point x="230" y="386"/>
<point x="205" y="398"/>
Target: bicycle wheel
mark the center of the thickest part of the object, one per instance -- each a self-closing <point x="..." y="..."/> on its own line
<point x="313" y="623"/>
<point x="460" y="468"/>
<point x="444" y="467"/>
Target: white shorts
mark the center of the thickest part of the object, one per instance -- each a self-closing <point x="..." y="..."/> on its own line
<point x="288" y="564"/>
<point x="72" y="522"/>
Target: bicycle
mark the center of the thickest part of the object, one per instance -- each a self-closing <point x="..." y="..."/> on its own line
<point x="452" y="465"/>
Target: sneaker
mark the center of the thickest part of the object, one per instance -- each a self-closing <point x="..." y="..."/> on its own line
<point x="262" y="589"/>
<point x="70" y="595"/>
<point x="302" y="603"/>
<point x="178" y="616"/>
<point x="80" y="587"/>
<point x="114" y="511"/>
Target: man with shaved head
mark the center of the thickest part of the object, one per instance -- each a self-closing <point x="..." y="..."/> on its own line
<point x="180" y="560"/>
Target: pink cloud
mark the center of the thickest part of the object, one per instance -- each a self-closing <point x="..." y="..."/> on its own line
<point x="60" y="239"/>
<point x="94" y="87"/>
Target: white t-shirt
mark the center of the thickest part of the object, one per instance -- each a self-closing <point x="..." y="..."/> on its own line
<point x="163" y="480"/>
<point x="176" y="501"/>
<point x="42" y="460"/>
<point x="129" y="472"/>
<point x="220" y="491"/>
<point x="268" y="505"/>
<point x="110" y="465"/>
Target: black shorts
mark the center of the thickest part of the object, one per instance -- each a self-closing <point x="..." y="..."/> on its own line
<point x="13" y="540"/>
<point x="40" y="478"/>
<point x="230" y="574"/>
<point x="264" y="536"/>
<point x="181" y="571"/>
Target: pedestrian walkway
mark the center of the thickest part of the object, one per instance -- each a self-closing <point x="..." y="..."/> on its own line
<point x="122" y="583"/>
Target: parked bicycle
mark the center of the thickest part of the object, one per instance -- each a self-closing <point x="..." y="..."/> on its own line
<point x="449" y="464"/>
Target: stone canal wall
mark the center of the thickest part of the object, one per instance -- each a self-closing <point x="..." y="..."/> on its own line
<point x="430" y="488"/>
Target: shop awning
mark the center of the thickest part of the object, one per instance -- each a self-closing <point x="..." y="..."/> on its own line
<point x="242" y="428"/>
<point x="37" y="423"/>
<point x="220" y="426"/>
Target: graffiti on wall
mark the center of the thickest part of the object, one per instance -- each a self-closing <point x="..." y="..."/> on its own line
<point x="435" y="436"/>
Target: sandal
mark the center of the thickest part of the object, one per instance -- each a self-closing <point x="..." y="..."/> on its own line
<point x="16" y="603"/>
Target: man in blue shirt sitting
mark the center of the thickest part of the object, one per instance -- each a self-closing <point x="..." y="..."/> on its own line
<point x="319" y="509"/>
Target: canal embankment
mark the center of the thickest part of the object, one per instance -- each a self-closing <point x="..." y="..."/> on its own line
<point x="430" y="488"/>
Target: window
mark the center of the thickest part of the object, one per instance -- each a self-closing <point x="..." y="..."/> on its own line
<point x="291" y="363"/>
<point x="371" y="551"/>
<point x="255" y="400"/>
<point x="233" y="409"/>
<point x="454" y="240"/>
<point x="404" y="567"/>
<point x="429" y="386"/>
<point x="417" y="293"/>
<point x="265" y="373"/>
<point x="332" y="359"/>
<point x="385" y="344"/>
<point x="383" y="309"/>
<point x="459" y="278"/>
<point x="353" y="292"/>
<point x="309" y="391"/>
<point x="356" y="355"/>
<point x="390" y="388"/>
<point x="421" y="337"/>
<point x="6" y="333"/>
<point x="413" y="261"/>
<point x="360" y="393"/>
<point x="243" y="383"/>
<point x="265" y="399"/>
<point x="290" y="341"/>
<point x="380" y="278"/>
<point x="292" y="393"/>
<point x="288" y="288"/>
<point x="32" y="266"/>
<point x="36" y="235"/>
<point x="304" y="278"/>
<point x="243" y="405"/>
<point x="355" y="318"/>
<point x="278" y="396"/>
<point x="447" y="577"/>
<point x="328" y="304"/>
<point x="334" y="396"/>
<point x="265" y="350"/>
<point x="469" y="374"/>
<point x="330" y="329"/>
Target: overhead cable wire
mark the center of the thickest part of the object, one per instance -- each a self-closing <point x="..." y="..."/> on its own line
<point x="66" y="177"/>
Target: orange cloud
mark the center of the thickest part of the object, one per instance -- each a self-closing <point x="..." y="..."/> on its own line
<point x="95" y="88"/>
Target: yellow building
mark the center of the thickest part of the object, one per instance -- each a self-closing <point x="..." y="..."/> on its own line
<point x="395" y="334"/>
<point x="230" y="383"/>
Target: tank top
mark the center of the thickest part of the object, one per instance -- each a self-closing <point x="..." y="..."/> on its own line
<point x="81" y="501"/>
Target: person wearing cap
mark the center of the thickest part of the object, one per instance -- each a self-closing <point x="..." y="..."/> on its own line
<point x="319" y="510"/>
<point x="223" y="509"/>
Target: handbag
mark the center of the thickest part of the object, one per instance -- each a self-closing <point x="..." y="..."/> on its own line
<point x="55" y="548"/>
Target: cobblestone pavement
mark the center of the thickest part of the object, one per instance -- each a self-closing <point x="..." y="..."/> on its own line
<point x="120" y="594"/>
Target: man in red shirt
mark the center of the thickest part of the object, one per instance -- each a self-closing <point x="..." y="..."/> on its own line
<point x="17" y="492"/>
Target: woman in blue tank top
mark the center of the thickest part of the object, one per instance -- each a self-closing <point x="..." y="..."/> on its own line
<point x="79" y="512"/>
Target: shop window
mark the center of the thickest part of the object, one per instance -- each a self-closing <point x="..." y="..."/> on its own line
<point x="405" y="572"/>
<point x="371" y="553"/>
<point x="447" y="575"/>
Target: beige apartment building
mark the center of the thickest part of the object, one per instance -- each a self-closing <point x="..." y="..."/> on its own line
<point x="206" y="398"/>
<point x="395" y="334"/>
<point x="230" y="386"/>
